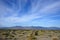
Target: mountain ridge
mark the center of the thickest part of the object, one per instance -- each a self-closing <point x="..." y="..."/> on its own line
<point x="32" y="28"/>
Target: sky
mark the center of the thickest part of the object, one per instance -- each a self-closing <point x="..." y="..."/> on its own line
<point x="44" y="13"/>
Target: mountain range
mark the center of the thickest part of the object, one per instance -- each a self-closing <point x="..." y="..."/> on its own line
<point x="31" y="28"/>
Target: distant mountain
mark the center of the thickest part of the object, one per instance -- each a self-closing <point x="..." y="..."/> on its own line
<point x="32" y="28"/>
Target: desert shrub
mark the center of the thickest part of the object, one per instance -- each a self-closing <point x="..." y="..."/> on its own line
<point x="50" y="35"/>
<point x="33" y="38"/>
<point x="36" y="33"/>
<point x="41" y="32"/>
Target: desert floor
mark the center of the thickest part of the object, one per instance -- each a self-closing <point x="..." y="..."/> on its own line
<point x="12" y="34"/>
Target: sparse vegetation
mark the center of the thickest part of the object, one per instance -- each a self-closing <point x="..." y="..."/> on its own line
<point x="29" y="34"/>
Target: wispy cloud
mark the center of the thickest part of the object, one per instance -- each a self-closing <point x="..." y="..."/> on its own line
<point x="38" y="10"/>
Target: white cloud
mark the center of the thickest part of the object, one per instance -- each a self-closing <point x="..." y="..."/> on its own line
<point x="24" y="18"/>
<point x="34" y="14"/>
<point x="51" y="8"/>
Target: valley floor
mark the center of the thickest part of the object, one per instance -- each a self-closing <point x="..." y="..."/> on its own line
<point x="10" y="34"/>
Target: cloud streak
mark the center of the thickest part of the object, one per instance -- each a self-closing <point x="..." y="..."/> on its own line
<point x="36" y="10"/>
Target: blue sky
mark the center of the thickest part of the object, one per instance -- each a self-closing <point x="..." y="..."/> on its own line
<point x="44" y="13"/>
